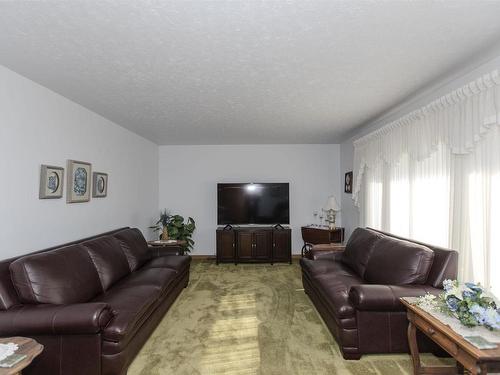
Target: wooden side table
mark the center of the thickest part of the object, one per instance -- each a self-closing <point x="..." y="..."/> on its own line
<point x="468" y="357"/>
<point x="27" y="346"/>
<point x="316" y="250"/>
<point x="168" y="247"/>
<point x="320" y="235"/>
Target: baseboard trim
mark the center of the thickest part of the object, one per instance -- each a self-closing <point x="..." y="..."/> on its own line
<point x="212" y="257"/>
<point x="203" y="257"/>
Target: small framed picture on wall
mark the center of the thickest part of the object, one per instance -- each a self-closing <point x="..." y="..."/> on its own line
<point x="51" y="182"/>
<point x="99" y="185"/>
<point x="348" y="183"/>
<point x="79" y="173"/>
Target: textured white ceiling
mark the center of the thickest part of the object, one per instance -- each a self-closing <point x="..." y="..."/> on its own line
<point x="235" y="72"/>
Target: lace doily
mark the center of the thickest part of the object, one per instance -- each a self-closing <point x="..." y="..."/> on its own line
<point x="7" y="350"/>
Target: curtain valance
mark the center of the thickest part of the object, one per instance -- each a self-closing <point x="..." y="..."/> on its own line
<point x="458" y="121"/>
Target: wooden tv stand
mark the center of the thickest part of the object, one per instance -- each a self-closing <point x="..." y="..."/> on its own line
<point x="254" y="244"/>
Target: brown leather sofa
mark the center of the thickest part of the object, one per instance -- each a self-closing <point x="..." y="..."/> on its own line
<point x="92" y="303"/>
<point x="357" y="291"/>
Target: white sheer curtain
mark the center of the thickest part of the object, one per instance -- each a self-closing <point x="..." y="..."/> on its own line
<point x="409" y="197"/>
<point x="434" y="175"/>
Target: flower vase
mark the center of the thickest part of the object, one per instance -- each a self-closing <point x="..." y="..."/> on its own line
<point x="164" y="234"/>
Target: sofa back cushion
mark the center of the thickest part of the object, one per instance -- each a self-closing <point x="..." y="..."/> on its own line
<point x="134" y="246"/>
<point x="358" y="249"/>
<point x="398" y="262"/>
<point x="108" y="258"/>
<point x="444" y="265"/>
<point x="62" y="276"/>
<point x="8" y="295"/>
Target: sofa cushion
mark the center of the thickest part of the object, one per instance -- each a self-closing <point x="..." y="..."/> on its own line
<point x="131" y="308"/>
<point x="176" y="262"/>
<point x="159" y="278"/>
<point x="62" y="276"/>
<point x="108" y="258"/>
<point x="358" y="249"/>
<point x="134" y="246"/>
<point x="323" y="266"/>
<point x="398" y="262"/>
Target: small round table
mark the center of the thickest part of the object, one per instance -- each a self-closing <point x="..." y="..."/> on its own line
<point x="27" y="346"/>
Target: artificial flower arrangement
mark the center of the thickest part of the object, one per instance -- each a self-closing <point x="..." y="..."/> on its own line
<point x="468" y="302"/>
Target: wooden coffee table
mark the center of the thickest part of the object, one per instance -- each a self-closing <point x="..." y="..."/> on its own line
<point x="26" y="346"/>
<point x="468" y="357"/>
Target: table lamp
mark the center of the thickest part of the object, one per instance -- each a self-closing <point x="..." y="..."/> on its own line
<point x="331" y="208"/>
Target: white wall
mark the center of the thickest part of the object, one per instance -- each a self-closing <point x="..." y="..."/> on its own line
<point x="189" y="174"/>
<point x="38" y="126"/>
<point x="350" y="213"/>
<point x="440" y="88"/>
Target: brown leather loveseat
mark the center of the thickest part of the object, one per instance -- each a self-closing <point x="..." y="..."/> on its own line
<point x="357" y="291"/>
<point x="91" y="303"/>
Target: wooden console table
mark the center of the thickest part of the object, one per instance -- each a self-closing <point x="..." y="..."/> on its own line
<point x="468" y="357"/>
<point x="254" y="244"/>
<point x="312" y="235"/>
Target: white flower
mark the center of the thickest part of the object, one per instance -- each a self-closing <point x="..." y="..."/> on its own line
<point x="428" y="300"/>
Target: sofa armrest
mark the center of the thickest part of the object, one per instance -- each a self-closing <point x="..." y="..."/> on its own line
<point x="371" y="297"/>
<point x="81" y="318"/>
<point x="333" y="253"/>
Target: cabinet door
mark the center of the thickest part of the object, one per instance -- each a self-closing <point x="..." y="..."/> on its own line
<point x="262" y="245"/>
<point x="245" y="245"/>
<point x="282" y="250"/>
<point x="225" y="246"/>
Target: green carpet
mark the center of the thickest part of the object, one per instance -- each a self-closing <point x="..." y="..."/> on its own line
<point x="250" y="319"/>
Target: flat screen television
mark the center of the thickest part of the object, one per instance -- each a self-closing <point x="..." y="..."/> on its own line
<point x="253" y="203"/>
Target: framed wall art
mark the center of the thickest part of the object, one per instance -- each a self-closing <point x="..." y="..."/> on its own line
<point x="99" y="185"/>
<point x="79" y="173"/>
<point x="348" y="183"/>
<point x="51" y="182"/>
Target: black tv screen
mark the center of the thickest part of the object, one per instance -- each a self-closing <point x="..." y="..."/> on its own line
<point x="253" y="203"/>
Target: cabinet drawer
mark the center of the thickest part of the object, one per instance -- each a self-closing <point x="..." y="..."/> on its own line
<point x="436" y="336"/>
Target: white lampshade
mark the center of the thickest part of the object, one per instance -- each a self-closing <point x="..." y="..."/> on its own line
<point x="332" y="204"/>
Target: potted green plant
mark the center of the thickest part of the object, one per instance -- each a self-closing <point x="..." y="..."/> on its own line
<point x="162" y="224"/>
<point x="176" y="228"/>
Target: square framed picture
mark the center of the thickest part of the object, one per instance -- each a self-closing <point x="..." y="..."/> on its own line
<point x="51" y="182"/>
<point x="348" y="183"/>
<point x="99" y="185"/>
<point x="79" y="173"/>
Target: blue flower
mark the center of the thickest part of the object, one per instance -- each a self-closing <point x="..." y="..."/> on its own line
<point x="469" y="294"/>
<point x="469" y="305"/>
<point x="479" y="313"/>
<point x="491" y="318"/>
<point x="448" y="284"/>
<point x="486" y="316"/>
<point x="475" y="287"/>
<point x="453" y="303"/>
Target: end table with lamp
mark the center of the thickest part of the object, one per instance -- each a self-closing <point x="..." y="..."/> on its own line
<point x="331" y="208"/>
<point x="324" y="237"/>
<point x="314" y="235"/>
